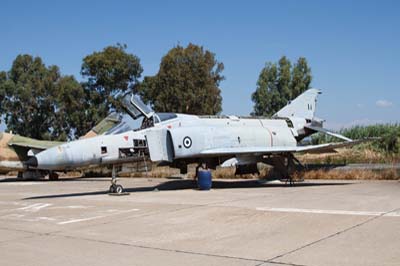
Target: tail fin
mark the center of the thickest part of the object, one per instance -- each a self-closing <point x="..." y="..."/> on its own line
<point x="303" y="106"/>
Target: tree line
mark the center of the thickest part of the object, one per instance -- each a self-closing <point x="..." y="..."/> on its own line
<point x="38" y="101"/>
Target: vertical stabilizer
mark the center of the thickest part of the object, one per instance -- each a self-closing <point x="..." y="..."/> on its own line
<point x="302" y="107"/>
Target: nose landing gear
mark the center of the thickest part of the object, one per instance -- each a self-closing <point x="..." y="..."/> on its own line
<point x="116" y="189"/>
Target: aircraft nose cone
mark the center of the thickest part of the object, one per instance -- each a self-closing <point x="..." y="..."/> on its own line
<point x="33" y="162"/>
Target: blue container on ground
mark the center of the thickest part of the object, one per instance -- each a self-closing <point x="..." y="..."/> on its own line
<point x="204" y="179"/>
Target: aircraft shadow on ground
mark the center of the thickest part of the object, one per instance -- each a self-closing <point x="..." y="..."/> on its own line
<point x="69" y="179"/>
<point x="323" y="166"/>
<point x="192" y="184"/>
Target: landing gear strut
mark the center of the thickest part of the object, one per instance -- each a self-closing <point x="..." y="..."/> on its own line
<point x="53" y="176"/>
<point x="291" y="168"/>
<point x="115" y="188"/>
<point x="285" y="166"/>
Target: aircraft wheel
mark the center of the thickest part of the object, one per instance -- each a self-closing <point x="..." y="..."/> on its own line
<point x="119" y="189"/>
<point x="20" y="176"/>
<point x="53" y="176"/>
<point x="112" y="189"/>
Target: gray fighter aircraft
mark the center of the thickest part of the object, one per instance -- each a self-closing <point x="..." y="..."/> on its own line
<point x="178" y="140"/>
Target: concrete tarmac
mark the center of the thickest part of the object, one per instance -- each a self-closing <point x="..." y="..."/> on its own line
<point x="168" y="222"/>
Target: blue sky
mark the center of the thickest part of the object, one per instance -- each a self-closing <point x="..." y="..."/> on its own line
<point x="352" y="46"/>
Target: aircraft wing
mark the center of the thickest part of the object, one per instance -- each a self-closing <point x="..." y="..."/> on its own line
<point x="24" y="142"/>
<point x="321" y="148"/>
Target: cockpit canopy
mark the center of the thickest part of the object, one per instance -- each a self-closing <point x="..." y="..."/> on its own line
<point x="135" y="107"/>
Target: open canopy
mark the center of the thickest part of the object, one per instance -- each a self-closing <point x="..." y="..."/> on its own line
<point x="135" y="107"/>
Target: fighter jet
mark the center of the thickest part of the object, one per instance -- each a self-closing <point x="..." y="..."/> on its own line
<point x="178" y="140"/>
<point x="15" y="150"/>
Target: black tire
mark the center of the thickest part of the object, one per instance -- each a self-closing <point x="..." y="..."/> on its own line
<point x="20" y="176"/>
<point x="112" y="189"/>
<point x="119" y="189"/>
<point x="53" y="176"/>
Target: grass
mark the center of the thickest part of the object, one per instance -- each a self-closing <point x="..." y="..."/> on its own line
<point x="388" y="174"/>
<point x="348" y="155"/>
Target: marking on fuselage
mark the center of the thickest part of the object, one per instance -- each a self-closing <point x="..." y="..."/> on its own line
<point x="336" y="212"/>
<point x="272" y="139"/>
<point x="187" y="142"/>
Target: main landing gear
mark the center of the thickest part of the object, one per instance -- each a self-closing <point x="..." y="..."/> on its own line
<point x="115" y="188"/>
<point x="285" y="168"/>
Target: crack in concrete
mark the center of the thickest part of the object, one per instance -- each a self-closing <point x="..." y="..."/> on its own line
<point x="279" y="263"/>
<point x="54" y="234"/>
<point x="16" y="239"/>
<point x="185" y="252"/>
<point x="186" y="206"/>
<point x="331" y="235"/>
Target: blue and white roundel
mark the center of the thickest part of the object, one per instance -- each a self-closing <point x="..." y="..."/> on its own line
<point x="187" y="142"/>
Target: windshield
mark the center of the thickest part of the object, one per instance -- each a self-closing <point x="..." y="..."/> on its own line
<point x="121" y="128"/>
<point x="127" y="124"/>
<point x="166" y="116"/>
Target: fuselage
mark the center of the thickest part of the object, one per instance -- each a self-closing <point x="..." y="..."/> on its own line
<point x="190" y="135"/>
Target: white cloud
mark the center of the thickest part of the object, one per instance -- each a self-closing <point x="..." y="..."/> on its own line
<point x="384" y="103"/>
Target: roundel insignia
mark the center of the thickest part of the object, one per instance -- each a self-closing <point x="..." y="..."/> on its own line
<point x="187" y="142"/>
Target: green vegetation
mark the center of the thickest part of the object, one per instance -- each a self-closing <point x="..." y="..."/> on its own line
<point x="187" y="82"/>
<point x="109" y="73"/>
<point x="37" y="101"/>
<point x="280" y="83"/>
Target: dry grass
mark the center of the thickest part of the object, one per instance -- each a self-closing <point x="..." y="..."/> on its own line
<point x="389" y="174"/>
<point x="229" y="173"/>
<point x="156" y="172"/>
<point x="345" y="156"/>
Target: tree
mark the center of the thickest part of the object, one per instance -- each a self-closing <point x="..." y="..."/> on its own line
<point x="36" y="100"/>
<point x="187" y="82"/>
<point x="71" y="118"/>
<point x="301" y="77"/>
<point x="279" y="83"/>
<point x="3" y="79"/>
<point x="109" y="73"/>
